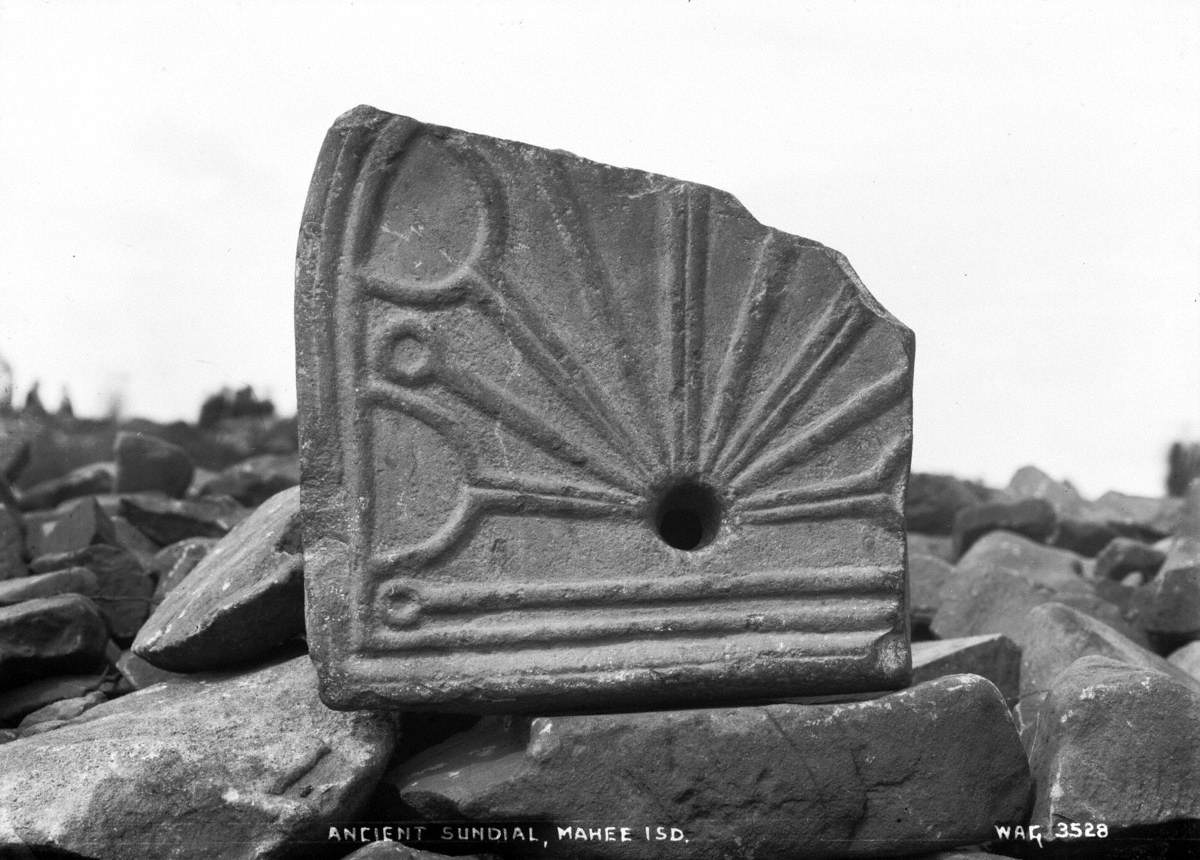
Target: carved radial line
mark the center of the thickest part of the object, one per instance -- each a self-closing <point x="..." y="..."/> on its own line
<point x="500" y="405"/>
<point x="771" y="266"/>
<point x="554" y="487"/>
<point x="863" y="506"/>
<point x="687" y="258"/>
<point x="552" y="505"/>
<point x="792" y="387"/>
<point x="803" y="583"/>
<point x="598" y="288"/>
<point x="856" y="484"/>
<point x="876" y="399"/>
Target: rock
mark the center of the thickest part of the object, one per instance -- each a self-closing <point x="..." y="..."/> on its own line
<point x="1051" y="567"/>
<point x="132" y="539"/>
<point x="168" y="521"/>
<point x="934" y="545"/>
<point x="934" y="500"/>
<point x="75" y="525"/>
<point x="994" y="600"/>
<point x="1123" y="556"/>
<point x="176" y="561"/>
<point x="69" y="580"/>
<point x="1030" y="482"/>
<point x="63" y="709"/>
<point x="396" y="851"/>
<point x="1033" y="518"/>
<point x="992" y="656"/>
<point x="47" y="636"/>
<point x="1187" y="659"/>
<point x="1154" y="518"/>
<point x="1086" y="537"/>
<point x="12" y="545"/>
<point x="592" y="404"/>
<point x="744" y="781"/>
<point x="926" y="577"/>
<point x="254" y="764"/>
<point x="19" y="701"/>
<point x="147" y="463"/>
<point x="243" y="601"/>
<point x="123" y="590"/>
<point x="255" y="480"/>
<point x="84" y="481"/>
<point x="1168" y="607"/>
<point x="141" y="674"/>
<point x="1117" y="744"/>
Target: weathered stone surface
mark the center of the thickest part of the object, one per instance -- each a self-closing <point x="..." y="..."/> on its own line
<point x="19" y="701"/>
<point x="176" y="561"/>
<point x="1054" y="568"/>
<point x="1030" y="482"/>
<point x="147" y="463"/>
<point x="249" y="766"/>
<point x="750" y="781"/>
<point x="63" y="709"/>
<point x="938" y="546"/>
<point x="255" y="480"/>
<point x="123" y="588"/>
<point x="995" y="600"/>
<point x="84" y="481"/>
<point x="12" y="545"/>
<point x="926" y="577"/>
<point x="49" y="635"/>
<point x="69" y="580"/>
<point x="141" y="674"/>
<point x="396" y="851"/>
<point x="167" y="521"/>
<point x="73" y="526"/>
<point x="132" y="539"/>
<point x="1168" y="607"/>
<point x="933" y="501"/>
<point x="1117" y="744"/>
<point x="1123" y="556"/>
<point x="576" y="435"/>
<point x="1187" y="658"/>
<point x="992" y="656"/>
<point x="1033" y="518"/>
<point x="243" y="601"/>
<point x="1084" y="536"/>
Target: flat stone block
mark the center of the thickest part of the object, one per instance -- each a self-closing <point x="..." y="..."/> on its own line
<point x="576" y="436"/>
<point x="751" y="782"/>
<point x="994" y="656"/>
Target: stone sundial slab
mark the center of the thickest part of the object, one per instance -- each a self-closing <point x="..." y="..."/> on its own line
<point x="581" y="437"/>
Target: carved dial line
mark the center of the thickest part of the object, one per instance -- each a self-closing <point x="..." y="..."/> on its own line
<point x="862" y="506"/>
<point x="596" y="284"/>
<point x="555" y="488"/>
<point x="863" y="482"/>
<point x="831" y="337"/>
<point x="772" y="263"/>
<point x="871" y="402"/>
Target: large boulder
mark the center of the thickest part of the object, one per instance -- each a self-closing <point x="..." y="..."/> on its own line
<point x="255" y="480"/>
<point x="49" y="635"/>
<point x="993" y="656"/>
<point x="933" y="501"/>
<point x="751" y="781"/>
<point x="87" y="480"/>
<point x="1034" y="518"/>
<point x="244" y="600"/>
<point x="123" y="589"/>
<point x="167" y="521"/>
<point x="147" y="463"/>
<point x="251" y="766"/>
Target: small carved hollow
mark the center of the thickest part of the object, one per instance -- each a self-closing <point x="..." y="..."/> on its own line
<point x="688" y="515"/>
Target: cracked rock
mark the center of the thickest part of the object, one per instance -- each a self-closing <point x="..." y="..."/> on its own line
<point x="245" y="766"/>
<point x="752" y="782"/>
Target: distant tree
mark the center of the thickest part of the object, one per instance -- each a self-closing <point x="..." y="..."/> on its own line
<point x="1183" y="464"/>
<point x="226" y="403"/>
<point x="65" y="409"/>
<point x="6" y="387"/>
<point x="33" y="401"/>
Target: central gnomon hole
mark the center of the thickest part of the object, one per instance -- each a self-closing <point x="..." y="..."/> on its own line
<point x="688" y="515"/>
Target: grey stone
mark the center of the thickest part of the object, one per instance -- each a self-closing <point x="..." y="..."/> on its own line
<point x="1084" y="536"/>
<point x="19" y="701"/>
<point x="992" y="656"/>
<point x="254" y="480"/>
<point x="1156" y="518"/>
<point x="72" y="526"/>
<point x="132" y="539"/>
<point x="63" y="709"/>
<point x="141" y="674"/>
<point x="926" y="577"/>
<point x="248" y="766"/>
<point x="1117" y="744"/>
<point x="85" y="481"/>
<point x="176" y="561"/>
<point x="1187" y="658"/>
<point x="1052" y="567"/>
<point x="576" y="435"/>
<point x="396" y="851"/>
<point x="145" y="462"/>
<point x="69" y="580"/>
<point x="1123" y="556"/>
<point x="1030" y="482"/>
<point x="167" y="521"/>
<point x="47" y="636"/>
<point x="123" y="590"/>
<point x="938" y="546"/>
<point x="243" y="601"/>
<point x="1033" y="518"/>
<point x="932" y="502"/>
<point x="12" y="545"/>
<point x="750" y="781"/>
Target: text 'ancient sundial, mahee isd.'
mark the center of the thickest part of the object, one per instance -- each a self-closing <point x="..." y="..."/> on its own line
<point x="575" y="436"/>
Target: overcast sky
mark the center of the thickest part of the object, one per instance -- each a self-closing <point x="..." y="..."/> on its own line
<point x="1018" y="182"/>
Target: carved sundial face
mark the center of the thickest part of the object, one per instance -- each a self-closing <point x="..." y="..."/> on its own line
<point x="576" y="436"/>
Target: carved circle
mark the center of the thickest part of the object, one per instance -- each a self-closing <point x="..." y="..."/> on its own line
<point x="400" y="606"/>
<point x="407" y="355"/>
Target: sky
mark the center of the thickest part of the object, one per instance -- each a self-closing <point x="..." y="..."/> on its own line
<point x="1019" y="183"/>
